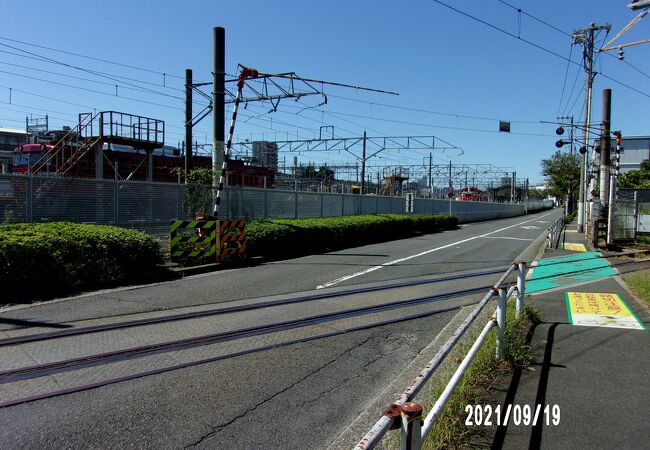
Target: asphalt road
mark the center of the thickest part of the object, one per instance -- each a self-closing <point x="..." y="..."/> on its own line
<point x="297" y="396"/>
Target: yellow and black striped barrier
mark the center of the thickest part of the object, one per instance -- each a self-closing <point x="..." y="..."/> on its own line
<point x="193" y="238"/>
<point x="232" y="240"/>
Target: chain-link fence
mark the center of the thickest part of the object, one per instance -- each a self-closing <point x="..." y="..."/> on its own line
<point x="151" y="206"/>
<point x="643" y="222"/>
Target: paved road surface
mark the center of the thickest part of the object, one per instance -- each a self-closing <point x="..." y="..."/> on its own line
<point x="292" y="396"/>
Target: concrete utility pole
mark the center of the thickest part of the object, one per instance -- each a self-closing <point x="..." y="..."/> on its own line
<point x="430" y="181"/>
<point x="188" y="122"/>
<point x="605" y="144"/>
<point x="218" y="100"/>
<point x="585" y="36"/>
<point x="363" y="164"/>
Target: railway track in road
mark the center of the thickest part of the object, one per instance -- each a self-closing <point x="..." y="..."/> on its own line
<point x="70" y="374"/>
<point x="75" y="331"/>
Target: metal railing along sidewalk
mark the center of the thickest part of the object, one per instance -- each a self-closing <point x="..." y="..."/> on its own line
<point x="405" y="415"/>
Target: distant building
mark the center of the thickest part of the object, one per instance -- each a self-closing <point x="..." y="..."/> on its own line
<point x="635" y="150"/>
<point x="266" y="154"/>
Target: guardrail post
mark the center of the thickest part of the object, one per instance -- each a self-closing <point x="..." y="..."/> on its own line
<point x="411" y="429"/>
<point x="501" y="321"/>
<point x="521" y="287"/>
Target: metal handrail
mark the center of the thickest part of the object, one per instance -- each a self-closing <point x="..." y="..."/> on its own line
<point x="408" y="416"/>
<point x="554" y="233"/>
<point x="386" y="422"/>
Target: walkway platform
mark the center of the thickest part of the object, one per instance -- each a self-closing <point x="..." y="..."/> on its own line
<point x="592" y="357"/>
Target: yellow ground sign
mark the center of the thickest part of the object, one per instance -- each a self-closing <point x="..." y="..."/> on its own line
<point x="601" y="310"/>
<point x="575" y="247"/>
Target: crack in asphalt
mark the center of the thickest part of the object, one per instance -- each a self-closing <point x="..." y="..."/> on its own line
<point x="391" y="337"/>
<point x="217" y="429"/>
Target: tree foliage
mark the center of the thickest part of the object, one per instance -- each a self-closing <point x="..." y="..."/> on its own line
<point x="562" y="171"/>
<point x="323" y="172"/>
<point x="636" y="179"/>
<point x="536" y="194"/>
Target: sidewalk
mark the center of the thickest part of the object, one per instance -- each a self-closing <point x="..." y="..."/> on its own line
<point x="592" y="362"/>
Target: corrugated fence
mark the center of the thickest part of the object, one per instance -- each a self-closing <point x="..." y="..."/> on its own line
<point x="151" y="206"/>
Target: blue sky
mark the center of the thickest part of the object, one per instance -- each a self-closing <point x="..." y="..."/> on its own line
<point x="456" y="77"/>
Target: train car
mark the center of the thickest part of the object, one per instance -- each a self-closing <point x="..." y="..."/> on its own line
<point x="132" y="164"/>
<point x="471" y="194"/>
<point x="29" y="154"/>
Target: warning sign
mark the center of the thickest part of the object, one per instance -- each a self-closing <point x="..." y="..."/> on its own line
<point x="600" y="310"/>
<point x="574" y="247"/>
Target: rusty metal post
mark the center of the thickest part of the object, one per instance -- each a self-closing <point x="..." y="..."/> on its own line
<point x="501" y="320"/>
<point x="411" y="430"/>
<point x="521" y="287"/>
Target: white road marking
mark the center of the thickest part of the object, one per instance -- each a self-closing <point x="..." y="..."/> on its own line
<point x="530" y="227"/>
<point x="506" y="237"/>
<point x="396" y="261"/>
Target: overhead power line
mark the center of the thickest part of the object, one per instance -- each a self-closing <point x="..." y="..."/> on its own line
<point x="533" y="44"/>
<point x="92" y="90"/>
<point x="521" y="11"/>
<point x="90" y="57"/>
<point x="93" y="72"/>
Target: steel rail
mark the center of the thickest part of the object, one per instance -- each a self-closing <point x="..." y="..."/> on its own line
<point x="230" y="309"/>
<point x="38" y="370"/>
<point x="170" y="368"/>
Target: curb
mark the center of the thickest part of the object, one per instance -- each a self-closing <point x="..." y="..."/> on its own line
<point x="351" y="435"/>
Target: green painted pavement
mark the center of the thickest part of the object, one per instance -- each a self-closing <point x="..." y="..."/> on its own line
<point x="552" y="273"/>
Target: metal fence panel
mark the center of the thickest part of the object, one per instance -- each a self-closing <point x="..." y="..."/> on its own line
<point x="332" y="205"/>
<point x="151" y="206"/>
<point x="625" y="216"/>
<point x="309" y="204"/>
<point x="643" y="220"/>
<point x="13" y="199"/>
<point x="281" y="204"/>
<point x="74" y="200"/>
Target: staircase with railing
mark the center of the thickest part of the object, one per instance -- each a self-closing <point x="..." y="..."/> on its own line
<point x="79" y="141"/>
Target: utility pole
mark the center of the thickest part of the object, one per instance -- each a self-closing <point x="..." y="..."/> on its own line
<point x="605" y="143"/>
<point x="430" y="181"/>
<point x="363" y="163"/>
<point x="450" y="189"/>
<point x="585" y="36"/>
<point x="218" y="100"/>
<point x="188" y="122"/>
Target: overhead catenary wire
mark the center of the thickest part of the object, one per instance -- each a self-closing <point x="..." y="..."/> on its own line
<point x="521" y="11"/>
<point x="533" y="44"/>
<point x="566" y="74"/>
<point x="72" y="66"/>
<point x="92" y="90"/>
<point x="90" y="57"/>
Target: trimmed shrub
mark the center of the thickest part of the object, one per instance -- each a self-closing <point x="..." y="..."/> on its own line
<point x="283" y="238"/>
<point x="55" y="258"/>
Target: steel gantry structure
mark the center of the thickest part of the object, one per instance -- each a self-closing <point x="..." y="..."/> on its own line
<point x="371" y="146"/>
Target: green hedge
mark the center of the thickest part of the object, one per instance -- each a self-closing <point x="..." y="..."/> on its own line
<point x="55" y="258"/>
<point x="283" y="238"/>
